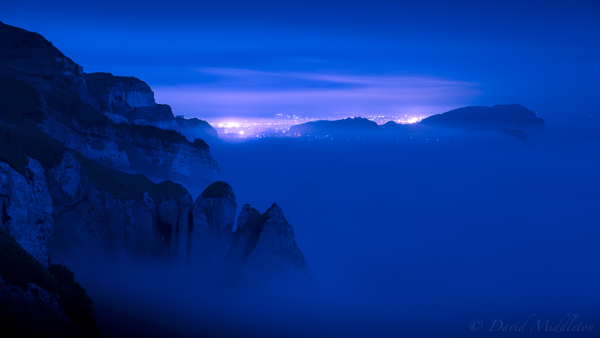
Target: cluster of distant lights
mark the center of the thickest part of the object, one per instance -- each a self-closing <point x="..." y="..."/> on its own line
<point x="229" y="125"/>
<point x="281" y="123"/>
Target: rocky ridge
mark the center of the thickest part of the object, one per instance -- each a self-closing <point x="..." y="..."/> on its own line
<point x="264" y="243"/>
<point x="508" y="120"/>
<point x="130" y="100"/>
<point x="61" y="214"/>
<point x="70" y="111"/>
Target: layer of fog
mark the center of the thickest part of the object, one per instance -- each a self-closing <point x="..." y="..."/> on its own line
<point x="402" y="237"/>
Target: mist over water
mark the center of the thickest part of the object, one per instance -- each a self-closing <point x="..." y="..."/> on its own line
<point x="403" y="237"/>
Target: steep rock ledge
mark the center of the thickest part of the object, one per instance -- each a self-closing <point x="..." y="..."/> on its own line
<point x="130" y="100"/>
<point x="211" y="219"/>
<point x="70" y="112"/>
<point x="275" y="247"/>
<point x="159" y="157"/>
<point x="264" y="243"/>
<point x="61" y="205"/>
<point x="26" y="208"/>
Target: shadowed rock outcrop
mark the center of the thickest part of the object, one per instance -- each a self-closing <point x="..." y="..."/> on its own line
<point x="130" y="100"/>
<point x="39" y="301"/>
<point x="264" y="243"/>
<point x="93" y="223"/>
<point x="213" y="215"/>
<point x="276" y="247"/>
<point x="26" y="208"/>
<point x="32" y="312"/>
<point x="62" y="214"/>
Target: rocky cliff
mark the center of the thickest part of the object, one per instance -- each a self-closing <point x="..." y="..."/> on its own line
<point x="276" y="248"/>
<point x="74" y="208"/>
<point x="26" y="208"/>
<point x="77" y="209"/>
<point x="211" y="222"/>
<point x="264" y="243"/>
<point x="69" y="110"/>
<point x="60" y="204"/>
<point x="130" y="100"/>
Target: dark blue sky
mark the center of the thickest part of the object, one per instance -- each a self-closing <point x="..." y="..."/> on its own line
<point x="334" y="57"/>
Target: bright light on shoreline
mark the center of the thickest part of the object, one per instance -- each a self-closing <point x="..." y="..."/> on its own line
<point x="278" y="126"/>
<point x="229" y="125"/>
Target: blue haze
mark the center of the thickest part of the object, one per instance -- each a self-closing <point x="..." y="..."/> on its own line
<point x="414" y="238"/>
<point x="403" y="237"/>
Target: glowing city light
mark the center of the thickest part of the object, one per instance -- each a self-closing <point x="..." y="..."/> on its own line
<point x="279" y="125"/>
<point x="229" y="125"/>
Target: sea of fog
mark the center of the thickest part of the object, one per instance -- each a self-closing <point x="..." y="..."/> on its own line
<point x="403" y="237"/>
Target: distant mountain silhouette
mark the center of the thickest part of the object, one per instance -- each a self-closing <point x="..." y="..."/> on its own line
<point x="392" y="126"/>
<point x="349" y="126"/>
<point x="510" y="120"/>
<point x="510" y="116"/>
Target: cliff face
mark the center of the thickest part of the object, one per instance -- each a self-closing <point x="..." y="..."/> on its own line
<point x="91" y="222"/>
<point x="267" y="242"/>
<point x="130" y="100"/>
<point x="276" y="247"/>
<point x="264" y="243"/>
<point x="58" y="204"/>
<point x="166" y="157"/>
<point x="60" y="214"/>
<point x="211" y="219"/>
<point x="26" y="208"/>
<point x="114" y="92"/>
<point x="71" y="111"/>
<point x="30" y="57"/>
